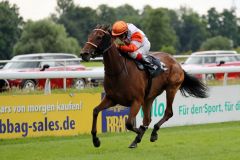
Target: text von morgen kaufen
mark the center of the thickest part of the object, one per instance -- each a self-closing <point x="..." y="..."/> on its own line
<point x="43" y="108"/>
<point x="9" y="126"/>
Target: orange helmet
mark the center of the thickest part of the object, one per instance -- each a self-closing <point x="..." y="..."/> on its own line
<point x="119" y="28"/>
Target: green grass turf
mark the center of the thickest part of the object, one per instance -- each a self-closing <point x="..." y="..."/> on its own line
<point x="93" y="64"/>
<point x="218" y="141"/>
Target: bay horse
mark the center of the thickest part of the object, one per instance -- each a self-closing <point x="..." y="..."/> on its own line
<point x="126" y="85"/>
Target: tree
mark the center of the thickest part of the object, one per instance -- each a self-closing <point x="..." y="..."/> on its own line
<point x="214" y="22"/>
<point x="45" y="36"/>
<point x="10" y="28"/>
<point x="64" y="5"/>
<point x="105" y="14"/>
<point x="225" y="24"/>
<point x="217" y="43"/>
<point x="158" y="29"/>
<point x="168" y="49"/>
<point x="229" y="26"/>
<point x="175" y="24"/>
<point x="77" y="20"/>
<point x="129" y="14"/>
<point x="192" y="32"/>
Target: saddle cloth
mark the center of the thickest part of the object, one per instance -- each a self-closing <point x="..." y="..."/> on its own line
<point x="157" y="68"/>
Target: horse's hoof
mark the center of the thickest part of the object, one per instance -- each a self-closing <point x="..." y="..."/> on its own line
<point x="96" y="142"/>
<point x="133" y="145"/>
<point x="154" y="137"/>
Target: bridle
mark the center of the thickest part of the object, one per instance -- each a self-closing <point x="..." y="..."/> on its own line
<point x="105" y="50"/>
<point x="96" y="46"/>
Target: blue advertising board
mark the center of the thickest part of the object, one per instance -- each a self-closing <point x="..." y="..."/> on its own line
<point x="114" y="118"/>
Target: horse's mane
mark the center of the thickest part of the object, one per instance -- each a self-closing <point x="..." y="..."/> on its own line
<point x="105" y="27"/>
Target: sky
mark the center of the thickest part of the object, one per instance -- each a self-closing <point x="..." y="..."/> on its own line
<point x="39" y="9"/>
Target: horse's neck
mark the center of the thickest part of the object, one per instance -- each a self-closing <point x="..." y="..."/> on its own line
<point x="113" y="61"/>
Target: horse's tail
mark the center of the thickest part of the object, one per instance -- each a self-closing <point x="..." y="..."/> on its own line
<point x="194" y="87"/>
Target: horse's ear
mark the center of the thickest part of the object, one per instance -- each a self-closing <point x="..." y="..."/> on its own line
<point x="105" y="26"/>
<point x="98" y="26"/>
<point x="109" y="29"/>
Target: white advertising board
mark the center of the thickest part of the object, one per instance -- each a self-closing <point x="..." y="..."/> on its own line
<point x="222" y="105"/>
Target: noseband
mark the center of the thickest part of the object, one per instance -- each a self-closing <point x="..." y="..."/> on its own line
<point x="96" y="46"/>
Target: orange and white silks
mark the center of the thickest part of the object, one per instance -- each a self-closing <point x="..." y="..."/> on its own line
<point x="138" y="45"/>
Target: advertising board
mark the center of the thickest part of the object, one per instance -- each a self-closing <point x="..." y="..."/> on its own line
<point x="114" y="119"/>
<point x="222" y="105"/>
<point x="47" y="115"/>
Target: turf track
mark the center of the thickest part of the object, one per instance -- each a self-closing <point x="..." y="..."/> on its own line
<point x="202" y="142"/>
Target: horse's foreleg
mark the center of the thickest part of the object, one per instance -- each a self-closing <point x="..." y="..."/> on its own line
<point x="106" y="103"/>
<point x="170" y="94"/>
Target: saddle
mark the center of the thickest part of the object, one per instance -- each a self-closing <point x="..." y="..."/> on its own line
<point x="153" y="66"/>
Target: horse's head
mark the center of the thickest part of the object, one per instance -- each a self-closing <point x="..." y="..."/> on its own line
<point x="99" y="41"/>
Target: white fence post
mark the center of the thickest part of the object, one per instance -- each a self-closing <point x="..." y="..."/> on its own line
<point x="64" y="79"/>
<point x="225" y="79"/>
<point x="47" y="87"/>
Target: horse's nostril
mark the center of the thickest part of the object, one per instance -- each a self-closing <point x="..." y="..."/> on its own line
<point x="85" y="56"/>
<point x="82" y="53"/>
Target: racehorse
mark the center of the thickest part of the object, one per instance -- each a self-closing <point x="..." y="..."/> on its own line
<point x="126" y="85"/>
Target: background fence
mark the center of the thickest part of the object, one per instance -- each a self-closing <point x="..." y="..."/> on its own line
<point x="98" y="72"/>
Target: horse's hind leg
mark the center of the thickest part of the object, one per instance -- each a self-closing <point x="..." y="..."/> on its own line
<point x="146" y="121"/>
<point x="170" y="94"/>
<point x="134" y="109"/>
<point x="106" y="103"/>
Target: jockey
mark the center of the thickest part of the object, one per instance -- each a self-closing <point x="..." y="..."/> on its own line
<point x="133" y="41"/>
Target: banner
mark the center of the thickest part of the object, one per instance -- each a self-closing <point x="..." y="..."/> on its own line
<point x="47" y="115"/>
<point x="222" y="105"/>
<point x="114" y="118"/>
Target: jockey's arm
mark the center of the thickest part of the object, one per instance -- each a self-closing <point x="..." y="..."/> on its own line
<point x="135" y="44"/>
<point x="128" y="48"/>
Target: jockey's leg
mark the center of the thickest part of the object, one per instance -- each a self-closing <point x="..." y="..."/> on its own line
<point x="141" y="55"/>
